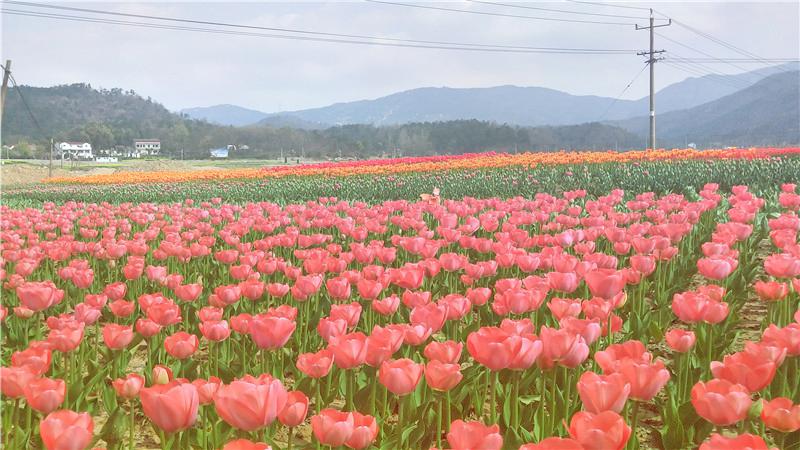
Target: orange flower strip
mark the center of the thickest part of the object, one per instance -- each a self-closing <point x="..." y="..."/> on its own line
<point x="430" y="164"/>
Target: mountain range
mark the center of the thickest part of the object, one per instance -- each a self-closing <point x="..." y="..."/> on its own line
<point x="766" y="113"/>
<point x="514" y="105"/>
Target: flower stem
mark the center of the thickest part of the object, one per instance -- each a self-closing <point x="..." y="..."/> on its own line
<point x="132" y="430"/>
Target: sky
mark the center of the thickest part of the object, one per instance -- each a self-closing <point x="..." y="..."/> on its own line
<point x="182" y="69"/>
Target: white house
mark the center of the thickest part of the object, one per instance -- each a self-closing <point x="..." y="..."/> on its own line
<point x="76" y="150"/>
<point x="145" y="147"/>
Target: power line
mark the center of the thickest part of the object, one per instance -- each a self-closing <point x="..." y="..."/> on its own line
<point x="609" y="4"/>
<point x="25" y="103"/>
<point x="696" y="50"/>
<point x="720" y="42"/>
<point x="744" y="60"/>
<point x="451" y="46"/>
<point x="616" y="99"/>
<point x="714" y="77"/>
<point x="263" y="28"/>
<point x="565" y="11"/>
<point x="485" y="13"/>
<point x="720" y="79"/>
<point x="712" y="71"/>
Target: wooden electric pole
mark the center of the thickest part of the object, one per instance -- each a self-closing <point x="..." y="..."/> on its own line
<point x="652" y="61"/>
<point x="6" y="75"/>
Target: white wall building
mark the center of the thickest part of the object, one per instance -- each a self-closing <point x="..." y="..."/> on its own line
<point x="145" y="147"/>
<point x="76" y="150"/>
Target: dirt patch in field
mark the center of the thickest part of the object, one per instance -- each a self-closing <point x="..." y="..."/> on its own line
<point x="16" y="173"/>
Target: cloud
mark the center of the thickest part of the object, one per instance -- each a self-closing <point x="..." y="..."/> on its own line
<point x="183" y="69"/>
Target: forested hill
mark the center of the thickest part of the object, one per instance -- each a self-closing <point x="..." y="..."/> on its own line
<point x="116" y="117"/>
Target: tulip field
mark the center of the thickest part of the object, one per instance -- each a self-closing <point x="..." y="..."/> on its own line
<point x="627" y="301"/>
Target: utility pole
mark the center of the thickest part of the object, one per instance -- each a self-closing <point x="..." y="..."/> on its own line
<point x="6" y="74"/>
<point x="652" y="60"/>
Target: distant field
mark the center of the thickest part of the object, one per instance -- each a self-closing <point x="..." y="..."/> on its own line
<point x="19" y="172"/>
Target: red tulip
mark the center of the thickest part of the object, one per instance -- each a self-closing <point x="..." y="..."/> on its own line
<point x="787" y="337"/>
<point x="603" y="431"/>
<point x="161" y="374"/>
<point x="478" y="296"/>
<point x="115" y="291"/>
<point x="781" y="414"/>
<point x="365" y="430"/>
<point x="45" y="394"/>
<point x="431" y="315"/>
<point x="129" y="386"/>
<point x="564" y="307"/>
<point x="387" y="306"/>
<point x="116" y="336"/>
<point x="755" y="372"/>
<point x="782" y="265"/>
<point x="716" y="268"/>
<point x="561" y="347"/>
<point x="37" y="295"/>
<point x="244" y="444"/>
<point x="329" y="328"/>
<point x="66" y="430"/>
<point x="605" y="283"/>
<point x="206" y="389"/>
<point x="277" y="290"/>
<point x="181" y="345"/>
<point x="215" y="330"/>
<point x="400" y="376"/>
<point x="643" y="264"/>
<point x="338" y="288"/>
<point x="14" y="379"/>
<point x="349" y="350"/>
<point x="412" y="299"/>
<point x="350" y="313"/>
<point x="721" y="402"/>
<point x="680" y="340"/>
<point x="554" y="443"/>
<point x="164" y="313"/>
<point x="171" y="406"/>
<point x="741" y="442"/>
<point x="332" y="427"/>
<point x="369" y="289"/>
<point x="474" y="435"/>
<point x="294" y="413"/>
<point x="382" y="344"/>
<point x="36" y="358"/>
<point x="693" y="307"/>
<point x="603" y="392"/>
<point x="188" y="292"/>
<point x="489" y="348"/>
<point x="771" y="291"/>
<point x="448" y="352"/>
<point x="565" y="282"/>
<point x="67" y="338"/>
<point x="271" y="332"/>
<point x="442" y="376"/>
<point x="315" y="365"/>
<point x="250" y="403"/>
<point x="609" y="359"/>
<point x="645" y="379"/>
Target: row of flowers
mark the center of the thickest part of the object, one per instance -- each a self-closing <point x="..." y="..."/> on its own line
<point x="429" y="164"/>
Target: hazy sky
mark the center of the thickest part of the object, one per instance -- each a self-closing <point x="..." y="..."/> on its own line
<point x="183" y="69"/>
